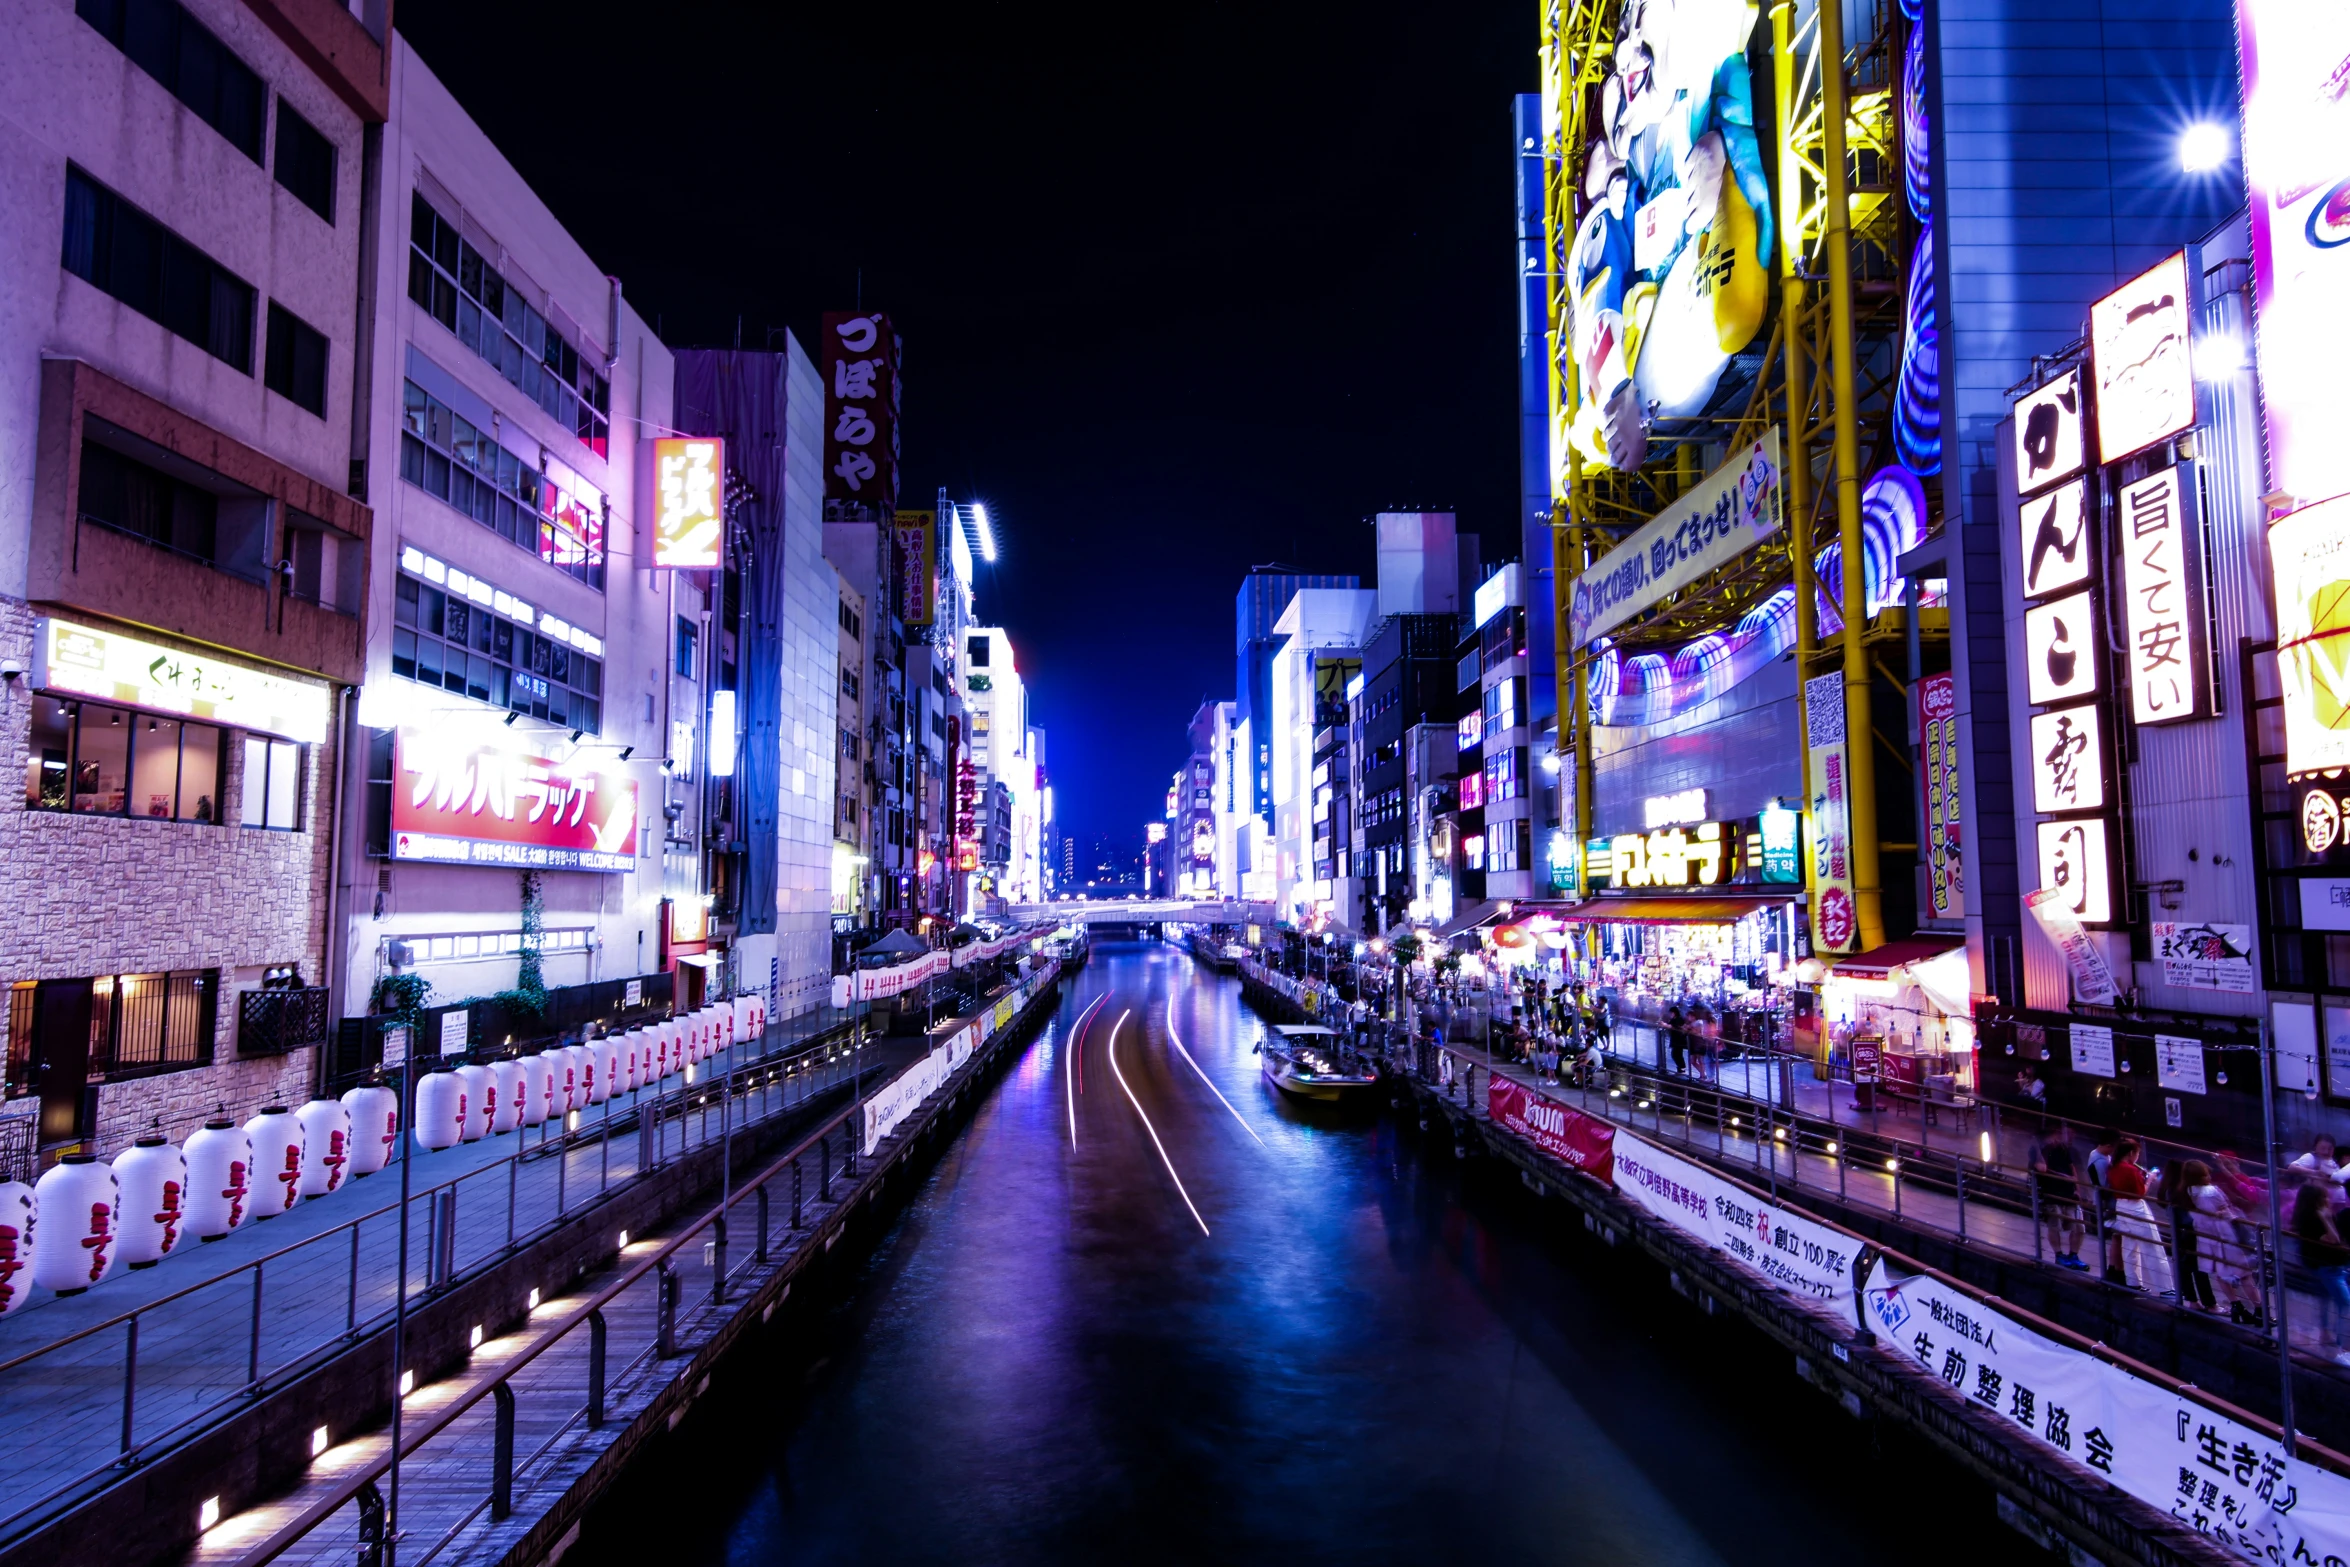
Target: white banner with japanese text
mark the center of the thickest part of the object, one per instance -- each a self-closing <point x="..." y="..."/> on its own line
<point x="2216" y="1475"/>
<point x="1800" y="1255"/>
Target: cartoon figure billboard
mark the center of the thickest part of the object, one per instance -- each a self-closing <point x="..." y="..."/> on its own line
<point x="1668" y="267"/>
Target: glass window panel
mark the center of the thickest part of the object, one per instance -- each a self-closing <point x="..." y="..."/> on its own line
<point x="199" y="790"/>
<point x="138" y="1037"/>
<point x="183" y="1018"/>
<point x="453" y="671"/>
<point x="102" y="760"/>
<point x="498" y="679"/>
<point x="428" y="661"/>
<point x="430" y="602"/>
<point x="477" y="677"/>
<point x="285" y="784"/>
<point x="404" y="653"/>
<point x="404" y="593"/>
<point x="155" y="767"/>
<point x="253" y="787"/>
<point x="49" y="756"/>
<point x="457" y="621"/>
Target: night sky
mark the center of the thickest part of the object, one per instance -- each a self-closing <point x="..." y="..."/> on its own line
<point x="1176" y="298"/>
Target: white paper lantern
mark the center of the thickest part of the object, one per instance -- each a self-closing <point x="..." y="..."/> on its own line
<point x="440" y="1111"/>
<point x="326" y="1146"/>
<point x="18" y="1211"/>
<point x="666" y="1036"/>
<point x="624" y="1060"/>
<point x="75" y="1249"/>
<point x="538" y="1074"/>
<point x="220" y="1179"/>
<point x="375" y="1127"/>
<point x="151" y="1184"/>
<point x="510" y="1083"/>
<point x="478" y="1094"/>
<point x="277" y="1161"/>
<point x="604" y="1059"/>
<point x="592" y="1067"/>
<point x="565" y="1098"/>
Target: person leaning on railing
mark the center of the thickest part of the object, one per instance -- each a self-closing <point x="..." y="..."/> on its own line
<point x="2326" y="1258"/>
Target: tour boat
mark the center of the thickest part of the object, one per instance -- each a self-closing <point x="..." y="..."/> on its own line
<point x="1298" y="1060"/>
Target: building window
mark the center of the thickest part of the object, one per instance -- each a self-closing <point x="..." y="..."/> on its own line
<point x="848" y="744"/>
<point x="688" y="640"/>
<point x="975" y="648"/>
<point x="851" y="622"/>
<point x="443" y="454"/>
<point x="119" y="250"/>
<point x="109" y="761"/>
<point x="305" y="162"/>
<point x="329" y="565"/>
<point x="130" y="497"/>
<point x="293" y="363"/>
<point x="450" y="281"/>
<point x="163" y="40"/>
<point x="141" y="1023"/>
<point x="273" y="785"/>
<point x="848" y="683"/>
<point x="441" y="639"/>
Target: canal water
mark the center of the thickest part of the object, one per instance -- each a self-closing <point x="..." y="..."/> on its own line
<point x="1144" y="1310"/>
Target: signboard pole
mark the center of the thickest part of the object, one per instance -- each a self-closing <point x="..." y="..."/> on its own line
<point x="1860" y="753"/>
<point x="1797" y="468"/>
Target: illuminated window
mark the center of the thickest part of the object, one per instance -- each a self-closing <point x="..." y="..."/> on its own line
<point x="110" y="761"/>
<point x="440" y="639"/>
<point x="442" y="453"/>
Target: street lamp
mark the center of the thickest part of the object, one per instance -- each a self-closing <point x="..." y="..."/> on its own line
<point x="2204" y="147"/>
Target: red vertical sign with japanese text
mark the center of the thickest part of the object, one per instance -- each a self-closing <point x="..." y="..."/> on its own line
<point x="1938" y="771"/>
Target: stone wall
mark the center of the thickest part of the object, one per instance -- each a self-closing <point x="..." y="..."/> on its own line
<point x="177" y="1103"/>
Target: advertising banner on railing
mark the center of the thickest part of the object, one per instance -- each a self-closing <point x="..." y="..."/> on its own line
<point x="1799" y="1255"/>
<point x="2213" y="1474"/>
<point x="1579" y="1141"/>
<point x="893" y="1104"/>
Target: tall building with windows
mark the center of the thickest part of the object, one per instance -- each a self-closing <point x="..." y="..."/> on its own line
<point x="532" y="743"/>
<point x="182" y="564"/>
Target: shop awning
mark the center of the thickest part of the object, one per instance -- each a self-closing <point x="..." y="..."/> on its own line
<point x="700" y="960"/>
<point x="1469" y="918"/>
<point x="1880" y="962"/>
<point x="1720" y="909"/>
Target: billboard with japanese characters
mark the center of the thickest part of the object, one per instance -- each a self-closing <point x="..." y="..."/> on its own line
<point x="473" y="802"/>
<point x="860" y="409"/>
<point x="688" y="519"/>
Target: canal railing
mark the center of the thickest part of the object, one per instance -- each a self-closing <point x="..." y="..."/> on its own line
<point x="88" y="1404"/>
<point x="476" y="1443"/>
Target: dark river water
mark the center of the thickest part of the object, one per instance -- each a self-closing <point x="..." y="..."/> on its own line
<point x="1143" y="1310"/>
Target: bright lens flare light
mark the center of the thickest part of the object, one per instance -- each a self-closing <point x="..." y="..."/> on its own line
<point x="986" y="532"/>
<point x="1146" y="1124"/>
<point x="2218" y="356"/>
<point x="2204" y="146"/>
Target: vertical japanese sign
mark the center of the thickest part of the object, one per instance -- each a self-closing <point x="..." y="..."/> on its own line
<point x="2138" y="337"/>
<point x="688" y="481"/>
<point x="914" y="565"/>
<point x="2309" y="552"/>
<point x="2164" y="608"/>
<point x="1938" y="769"/>
<point x="2297" y="164"/>
<point x="1835" y="915"/>
<point x="860" y="409"/>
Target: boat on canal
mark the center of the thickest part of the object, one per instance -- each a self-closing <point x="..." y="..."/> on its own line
<point x="1300" y="1059"/>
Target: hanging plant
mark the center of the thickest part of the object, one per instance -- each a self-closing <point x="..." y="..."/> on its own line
<point x="400" y="998"/>
<point x="529" y="995"/>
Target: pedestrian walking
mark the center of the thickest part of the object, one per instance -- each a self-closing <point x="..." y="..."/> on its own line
<point x="1676" y="1038"/>
<point x="2219" y="1243"/>
<point x="2109" y="1244"/>
<point x="2328" y="1262"/>
<point x="2145" y="1266"/>
<point x="2056" y="1169"/>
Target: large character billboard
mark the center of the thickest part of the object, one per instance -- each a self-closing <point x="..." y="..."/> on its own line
<point x="1668" y="272"/>
<point x="860" y="409"/>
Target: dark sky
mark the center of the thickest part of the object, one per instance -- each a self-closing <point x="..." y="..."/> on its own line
<point x="1181" y="289"/>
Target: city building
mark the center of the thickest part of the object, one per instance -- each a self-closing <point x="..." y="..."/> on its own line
<point x="852" y="817"/>
<point x="185" y="552"/>
<point x="1320" y="635"/>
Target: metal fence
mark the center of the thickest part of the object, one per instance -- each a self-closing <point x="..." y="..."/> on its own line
<point x="84" y="1406"/>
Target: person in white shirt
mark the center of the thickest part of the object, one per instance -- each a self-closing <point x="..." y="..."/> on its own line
<point x="2320" y="1159"/>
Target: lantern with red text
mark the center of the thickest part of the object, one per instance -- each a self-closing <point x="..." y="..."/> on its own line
<point x="277" y="1161"/>
<point x="75" y="1249"/>
<point x="478" y="1106"/>
<point x="440" y="1111"/>
<point x="220" y="1179"/>
<point x="151" y="1182"/>
<point x="18" y="1210"/>
<point x="375" y="1127"/>
<point x="510" y="1083"/>
<point x="326" y="1145"/>
<point x="538" y="1076"/>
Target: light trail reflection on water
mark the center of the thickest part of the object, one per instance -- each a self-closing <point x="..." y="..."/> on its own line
<point x="1357" y="1353"/>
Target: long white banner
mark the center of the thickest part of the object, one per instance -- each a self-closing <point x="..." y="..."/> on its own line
<point x="1735" y="509"/>
<point x="1801" y="1256"/>
<point x="2214" y="1474"/>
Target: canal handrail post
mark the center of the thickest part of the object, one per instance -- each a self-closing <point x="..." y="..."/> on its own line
<point x="598" y="1332"/>
<point x="502" y="1451"/>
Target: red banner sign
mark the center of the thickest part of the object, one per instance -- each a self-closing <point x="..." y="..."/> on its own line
<point x="473" y="803"/>
<point x="1577" y="1140"/>
<point x="860" y="409"/>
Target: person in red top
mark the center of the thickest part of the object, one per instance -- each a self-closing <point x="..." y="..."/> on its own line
<point x="2145" y="1266"/>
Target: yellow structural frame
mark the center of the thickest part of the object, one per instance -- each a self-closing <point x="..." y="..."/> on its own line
<point x="1828" y="373"/>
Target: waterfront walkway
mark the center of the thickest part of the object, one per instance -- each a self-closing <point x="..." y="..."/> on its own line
<point x="91" y="1382"/>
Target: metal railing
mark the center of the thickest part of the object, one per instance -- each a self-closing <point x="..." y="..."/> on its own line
<point x="660" y="1272"/>
<point x="276" y="1313"/>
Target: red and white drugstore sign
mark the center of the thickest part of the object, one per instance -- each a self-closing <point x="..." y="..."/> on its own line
<point x="476" y="803"/>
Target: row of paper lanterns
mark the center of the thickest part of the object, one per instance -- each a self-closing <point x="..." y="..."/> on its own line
<point x="86" y="1215"/>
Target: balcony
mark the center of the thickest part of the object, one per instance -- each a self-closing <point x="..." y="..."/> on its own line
<point x="276" y="1022"/>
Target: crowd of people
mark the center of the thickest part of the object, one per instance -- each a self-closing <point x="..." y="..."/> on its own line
<point x="2193" y="1230"/>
